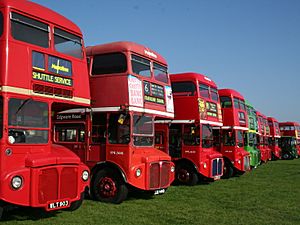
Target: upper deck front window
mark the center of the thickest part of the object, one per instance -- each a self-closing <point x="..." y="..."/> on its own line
<point x="204" y="91"/>
<point x="67" y="43"/>
<point x="225" y="102"/>
<point x="160" y="73"/>
<point x="236" y="103"/>
<point x="183" y="88"/>
<point x="141" y="66"/>
<point x="29" y="30"/>
<point x="214" y="94"/>
<point x="109" y="64"/>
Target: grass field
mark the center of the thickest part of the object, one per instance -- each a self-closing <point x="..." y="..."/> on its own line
<point x="268" y="195"/>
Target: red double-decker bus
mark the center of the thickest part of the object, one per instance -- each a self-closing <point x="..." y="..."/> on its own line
<point x="43" y="70"/>
<point x="263" y="138"/>
<point x="235" y="123"/>
<point x="189" y="137"/>
<point x="130" y="87"/>
<point x="290" y="139"/>
<point x="274" y="138"/>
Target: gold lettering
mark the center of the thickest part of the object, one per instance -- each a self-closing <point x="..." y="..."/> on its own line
<point x="60" y="68"/>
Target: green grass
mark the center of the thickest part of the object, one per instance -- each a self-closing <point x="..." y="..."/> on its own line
<point x="268" y="195"/>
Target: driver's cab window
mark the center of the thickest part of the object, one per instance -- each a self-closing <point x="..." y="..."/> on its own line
<point x="228" y="138"/>
<point x="119" y="128"/>
<point x="191" y="134"/>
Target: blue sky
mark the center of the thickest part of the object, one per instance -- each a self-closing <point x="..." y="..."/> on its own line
<point x="250" y="46"/>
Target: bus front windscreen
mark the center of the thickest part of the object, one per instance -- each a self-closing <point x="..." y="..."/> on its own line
<point x="28" y="121"/>
<point x="207" y="136"/>
<point x="143" y="130"/>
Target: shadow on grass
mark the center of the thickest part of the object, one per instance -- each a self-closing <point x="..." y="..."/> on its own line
<point x="26" y="213"/>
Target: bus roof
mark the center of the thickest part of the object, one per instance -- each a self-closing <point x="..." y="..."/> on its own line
<point x="288" y="123"/>
<point x="123" y="46"/>
<point x="193" y="76"/>
<point x="230" y="92"/>
<point x="272" y="119"/>
<point x="41" y="12"/>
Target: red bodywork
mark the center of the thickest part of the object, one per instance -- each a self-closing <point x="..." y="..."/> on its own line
<point x="50" y="174"/>
<point x="274" y="138"/>
<point x="235" y="123"/>
<point x="295" y="132"/>
<point x="124" y="93"/>
<point x="263" y="135"/>
<point x="193" y="110"/>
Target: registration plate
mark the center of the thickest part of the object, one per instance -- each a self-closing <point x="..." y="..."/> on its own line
<point x="160" y="191"/>
<point x="217" y="177"/>
<point x="58" y="205"/>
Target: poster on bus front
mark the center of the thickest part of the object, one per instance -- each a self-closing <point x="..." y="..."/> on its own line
<point x="135" y="90"/>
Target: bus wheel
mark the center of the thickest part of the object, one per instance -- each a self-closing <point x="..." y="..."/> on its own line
<point x="76" y="205"/>
<point x="286" y="156"/>
<point x="186" y="175"/>
<point x="228" y="170"/>
<point x="107" y="186"/>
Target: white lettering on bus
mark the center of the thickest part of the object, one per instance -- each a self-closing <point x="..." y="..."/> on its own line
<point x="150" y="53"/>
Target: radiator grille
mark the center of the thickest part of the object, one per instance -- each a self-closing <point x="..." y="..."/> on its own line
<point x="48" y="185"/>
<point x="246" y="163"/>
<point x="159" y="175"/>
<point x="68" y="184"/>
<point x="217" y="165"/>
<point x="57" y="184"/>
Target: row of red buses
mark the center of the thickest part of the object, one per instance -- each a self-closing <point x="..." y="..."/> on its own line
<point x="188" y="139"/>
<point x="231" y="135"/>
<point x="43" y="70"/>
<point x="130" y="88"/>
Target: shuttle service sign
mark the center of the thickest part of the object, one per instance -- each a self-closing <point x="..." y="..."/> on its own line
<point x="135" y="90"/>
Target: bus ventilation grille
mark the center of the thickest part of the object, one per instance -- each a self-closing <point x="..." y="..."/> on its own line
<point x="48" y="90"/>
<point x="246" y="163"/>
<point x="57" y="184"/>
<point x="217" y="166"/>
<point x="159" y="175"/>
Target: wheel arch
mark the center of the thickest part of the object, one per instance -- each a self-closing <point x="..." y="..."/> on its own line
<point x="103" y="165"/>
<point x="188" y="162"/>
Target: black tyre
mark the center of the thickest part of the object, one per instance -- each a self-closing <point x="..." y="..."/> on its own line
<point x="108" y="186"/>
<point x="286" y="156"/>
<point x="228" y="170"/>
<point x="186" y="175"/>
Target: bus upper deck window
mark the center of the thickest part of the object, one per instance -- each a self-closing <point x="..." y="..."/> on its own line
<point x="67" y="43"/>
<point x="225" y="102"/>
<point x="214" y="94"/>
<point x="160" y="73"/>
<point x="109" y="64"/>
<point x="29" y="30"/>
<point x="204" y="91"/>
<point x="140" y="66"/>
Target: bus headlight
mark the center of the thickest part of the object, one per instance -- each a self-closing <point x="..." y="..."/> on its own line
<point x="85" y="175"/>
<point x="138" y="172"/>
<point x="172" y="169"/>
<point x="239" y="161"/>
<point x="17" y="182"/>
<point x="204" y="165"/>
